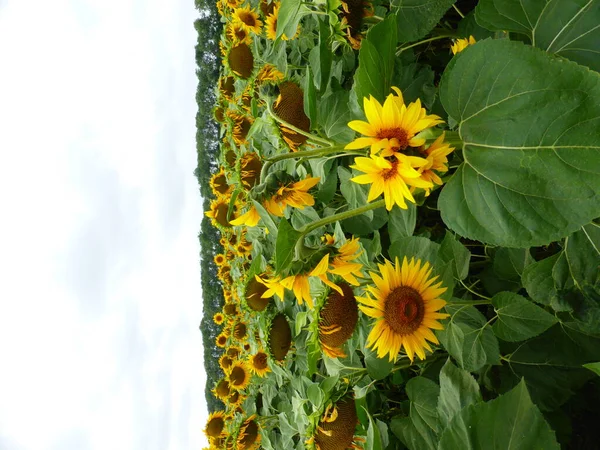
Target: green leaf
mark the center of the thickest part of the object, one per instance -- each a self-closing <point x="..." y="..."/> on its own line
<point x="531" y="171"/>
<point x="310" y="98"/>
<point x="373" y="436"/>
<point x="284" y="246"/>
<point x="582" y="250"/>
<point x="334" y="116"/>
<point x="414" y="246"/>
<point x="594" y="367"/>
<point x="377" y="368"/>
<point x="510" y="421"/>
<point x="416" y="18"/>
<point x="518" y="318"/>
<point x="320" y="57"/>
<point x="300" y="321"/>
<point x="537" y="280"/>
<point x="406" y="431"/>
<point x="458" y="389"/>
<point x="288" y="18"/>
<point x="468" y="338"/>
<point x="453" y="251"/>
<point x="376" y="60"/>
<point x="567" y="28"/>
<point x="266" y="218"/>
<point x="416" y="81"/>
<point x="362" y="225"/>
<point x="402" y="222"/>
<point x="315" y="395"/>
<point x="423" y="394"/>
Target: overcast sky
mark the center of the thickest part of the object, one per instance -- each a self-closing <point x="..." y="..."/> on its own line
<point x="100" y="295"/>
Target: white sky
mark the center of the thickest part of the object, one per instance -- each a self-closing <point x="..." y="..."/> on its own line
<point x="100" y="296"/>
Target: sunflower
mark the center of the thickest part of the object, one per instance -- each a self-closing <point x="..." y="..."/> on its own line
<point x="269" y="74"/>
<point x="342" y="263"/>
<point x="335" y="430"/>
<point x="219" y="259"/>
<point x="215" y="424"/>
<point x="237" y="32"/>
<point x="391" y="177"/>
<point x="238" y="375"/>
<point x="253" y="293"/>
<point x="233" y="351"/>
<point x="227" y="87"/>
<point x="337" y="320"/>
<point x="250" y="167"/>
<point x="405" y="303"/>
<point x="250" y="218"/>
<point x="241" y="127"/>
<point x="221" y="340"/>
<point x="241" y="60"/>
<point x="280" y="337"/>
<point x="222" y="389"/>
<point x="295" y="195"/>
<point x="392" y="127"/>
<point x="352" y="15"/>
<point x="460" y="44"/>
<point x="248" y="18"/>
<point x="218" y="183"/>
<point x="219" y="114"/>
<point x="218" y="318"/>
<point x="436" y="156"/>
<point x="240" y="331"/>
<point x="259" y="363"/>
<point x="249" y="435"/>
<point x="230" y="309"/>
<point x="219" y="210"/>
<point x="289" y="106"/>
<point x="230" y="158"/>
<point x="273" y="285"/>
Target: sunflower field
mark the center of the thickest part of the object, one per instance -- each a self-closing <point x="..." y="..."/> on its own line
<point x="406" y="199"/>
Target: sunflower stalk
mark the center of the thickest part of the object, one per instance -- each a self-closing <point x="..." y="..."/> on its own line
<point x="320" y="140"/>
<point x="445" y="35"/>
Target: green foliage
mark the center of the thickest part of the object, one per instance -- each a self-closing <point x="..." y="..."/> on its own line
<point x="416" y="18"/>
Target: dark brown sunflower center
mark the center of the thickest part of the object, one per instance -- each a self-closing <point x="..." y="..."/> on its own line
<point x="215" y="426"/>
<point x="404" y="310"/>
<point x="392" y="171"/>
<point x="240" y="331"/>
<point x="240" y="34"/>
<point x="248" y="19"/>
<point x="237" y="376"/>
<point x="260" y="361"/>
<point x="223" y="388"/>
<point x="221" y="214"/>
<point x="395" y="133"/>
<point x="250" y="434"/>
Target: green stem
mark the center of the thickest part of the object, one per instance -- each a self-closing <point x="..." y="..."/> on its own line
<point x="424" y="41"/>
<point x="475" y="293"/>
<point x="458" y="11"/>
<point x="325" y="142"/>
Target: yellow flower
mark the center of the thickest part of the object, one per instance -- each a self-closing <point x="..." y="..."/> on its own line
<point x="248" y="19"/>
<point x="249" y="437"/>
<point x="295" y="195"/>
<point x="460" y="44"/>
<point x="218" y="212"/>
<point x="250" y="166"/>
<point x="269" y="74"/>
<point x="218" y="183"/>
<point x="274" y="286"/>
<point x="241" y="60"/>
<point x="392" y="127"/>
<point x="239" y="375"/>
<point x="219" y="259"/>
<point x="250" y="218"/>
<point x="391" y="178"/>
<point x="337" y="320"/>
<point x="221" y="340"/>
<point x="405" y="303"/>
<point x="342" y="264"/>
<point x="215" y="424"/>
<point x="436" y="156"/>
<point x="259" y="363"/>
<point x="271" y="25"/>
<point x="238" y="32"/>
<point x="219" y="318"/>
<point x="221" y="390"/>
<point x="289" y="106"/>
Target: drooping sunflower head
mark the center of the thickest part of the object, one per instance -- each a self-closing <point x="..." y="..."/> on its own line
<point x="352" y="14"/>
<point x="289" y="106"/>
<point x="280" y="337"/>
<point x="267" y="7"/>
<point x="269" y="74"/>
<point x="337" y="425"/>
<point x="218" y="183"/>
<point x="241" y="127"/>
<point x="405" y="301"/>
<point x="253" y="294"/>
<point x="227" y="87"/>
<point x="249" y="437"/>
<point x="215" y="424"/>
<point x="225" y="362"/>
<point x="230" y="309"/>
<point x="239" y="375"/>
<point x="248" y="18"/>
<point x="230" y="158"/>
<point x="219" y="114"/>
<point x="235" y="399"/>
<point x="250" y="166"/>
<point x="222" y="389"/>
<point x="259" y="363"/>
<point x="241" y="60"/>
<point x="240" y="331"/>
<point x="219" y="318"/>
<point x="233" y="352"/>
<point x="337" y="320"/>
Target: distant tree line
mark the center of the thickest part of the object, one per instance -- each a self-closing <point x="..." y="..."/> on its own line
<point x="208" y="62"/>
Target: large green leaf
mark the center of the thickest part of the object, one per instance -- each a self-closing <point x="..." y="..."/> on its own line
<point x="334" y="116"/>
<point x="458" y="389"/>
<point x="290" y="13"/>
<point x="402" y="222"/>
<point x="518" y="318"/>
<point x="531" y="171"/>
<point x="468" y="338"/>
<point x="416" y="18"/>
<point x="509" y="422"/>
<point x="376" y="61"/>
<point x="287" y="237"/>
<point x="377" y="368"/>
<point x="458" y="254"/>
<point x="320" y="57"/>
<point x="569" y="28"/>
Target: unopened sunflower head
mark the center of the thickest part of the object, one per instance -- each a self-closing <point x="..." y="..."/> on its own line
<point x="289" y="106"/>
<point x="279" y="337"/>
<point x="337" y="320"/>
<point x="352" y="14"/>
<point x="336" y="427"/>
<point x="241" y="60"/>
